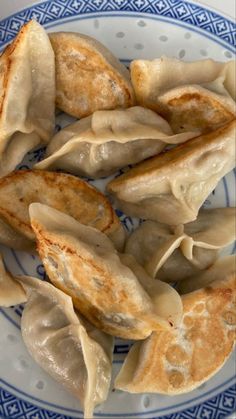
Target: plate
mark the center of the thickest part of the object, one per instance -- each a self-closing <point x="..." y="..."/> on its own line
<point x="131" y="29"/>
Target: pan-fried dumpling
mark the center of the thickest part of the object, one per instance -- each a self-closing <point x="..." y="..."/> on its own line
<point x="173" y="253"/>
<point x="171" y="187"/>
<point x="27" y="100"/>
<point x="179" y="361"/>
<point x="167" y="302"/>
<point x="83" y="262"/>
<point x="203" y="278"/>
<point x="192" y="96"/>
<point x="194" y="108"/>
<point x="99" y="145"/>
<point x="65" y="192"/>
<point x="163" y="74"/>
<point x="58" y="341"/>
<point x="88" y="76"/>
<point x="11" y="292"/>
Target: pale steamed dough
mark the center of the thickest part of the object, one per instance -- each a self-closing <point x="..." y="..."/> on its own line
<point x="73" y="358"/>
<point x="204" y="277"/>
<point x="109" y="140"/>
<point x="11" y="292"/>
<point x="175" y="253"/>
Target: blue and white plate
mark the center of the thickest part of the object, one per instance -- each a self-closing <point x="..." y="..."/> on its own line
<point x="131" y="29"/>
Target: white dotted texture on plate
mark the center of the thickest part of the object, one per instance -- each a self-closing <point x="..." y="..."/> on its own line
<point x="128" y="38"/>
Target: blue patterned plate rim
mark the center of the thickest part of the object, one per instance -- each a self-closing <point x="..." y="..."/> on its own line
<point x="229" y="382"/>
<point x="218" y="407"/>
<point x="197" y="18"/>
<point x="208" y="22"/>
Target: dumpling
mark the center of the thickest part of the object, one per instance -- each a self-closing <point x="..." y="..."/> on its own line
<point x="179" y="361"/>
<point x="27" y="100"/>
<point x="83" y="262"/>
<point x="66" y="346"/>
<point x="167" y="302"/>
<point x="173" y="253"/>
<point x="57" y="340"/>
<point x="192" y="96"/>
<point x="11" y="292"/>
<point x="88" y="76"/>
<point x="216" y="271"/>
<point x="11" y="238"/>
<point x="162" y="74"/>
<point x="195" y="108"/>
<point x="65" y="192"/>
<point x="108" y="140"/>
<point x="171" y="187"/>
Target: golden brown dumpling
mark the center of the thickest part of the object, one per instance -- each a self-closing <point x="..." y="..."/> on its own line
<point x="107" y="288"/>
<point x="65" y="192"/>
<point x="179" y="361"/>
<point x="88" y="76"/>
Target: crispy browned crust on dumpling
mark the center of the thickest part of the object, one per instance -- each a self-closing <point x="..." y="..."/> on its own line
<point x="64" y="192"/>
<point x="82" y="262"/>
<point x="88" y="76"/>
<point x="168" y="162"/>
<point x="191" y="108"/>
<point x="6" y="64"/>
<point x="178" y="362"/>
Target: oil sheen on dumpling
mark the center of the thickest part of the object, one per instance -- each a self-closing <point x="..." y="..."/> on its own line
<point x="192" y="96"/>
<point x="171" y="187"/>
<point x="83" y="262"/>
<point x="27" y="100"/>
<point x="173" y="253"/>
<point x="11" y="292"/>
<point x="179" y="361"/>
<point x="65" y="192"/>
<point x="109" y="140"/>
<point x="58" y="341"/>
